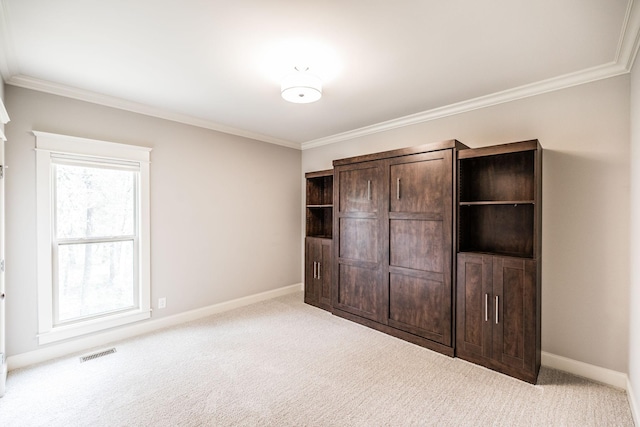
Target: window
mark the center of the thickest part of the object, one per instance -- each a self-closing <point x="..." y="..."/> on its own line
<point x="93" y="235"/>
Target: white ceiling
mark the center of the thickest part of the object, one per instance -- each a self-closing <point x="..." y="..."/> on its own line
<point x="218" y="64"/>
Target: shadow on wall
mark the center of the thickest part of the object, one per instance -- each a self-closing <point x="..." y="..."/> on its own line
<point x="585" y="246"/>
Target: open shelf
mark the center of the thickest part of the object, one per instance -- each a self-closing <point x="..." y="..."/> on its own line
<point x="497" y="229"/>
<point x="498" y="208"/>
<point x="320" y="191"/>
<point x="319" y="204"/>
<point x="320" y="222"/>
<point x="499" y="178"/>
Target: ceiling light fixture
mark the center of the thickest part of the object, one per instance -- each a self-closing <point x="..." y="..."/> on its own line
<point x="301" y="86"/>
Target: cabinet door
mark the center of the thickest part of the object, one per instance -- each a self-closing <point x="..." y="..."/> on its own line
<point x="474" y="306"/>
<point x="420" y="244"/>
<point x="421" y="183"/>
<point x="514" y="301"/>
<point x="358" y="241"/>
<point x="311" y="284"/>
<point x="359" y="187"/>
<point x="325" y="273"/>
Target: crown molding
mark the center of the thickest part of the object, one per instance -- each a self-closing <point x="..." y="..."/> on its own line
<point x="629" y="36"/>
<point x="581" y="77"/>
<point x="624" y="59"/>
<point x="122" y="104"/>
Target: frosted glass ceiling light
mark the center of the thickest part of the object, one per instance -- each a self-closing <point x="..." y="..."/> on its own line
<point x="301" y="86"/>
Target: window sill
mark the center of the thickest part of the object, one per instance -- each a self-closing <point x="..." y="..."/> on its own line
<point x="91" y="326"/>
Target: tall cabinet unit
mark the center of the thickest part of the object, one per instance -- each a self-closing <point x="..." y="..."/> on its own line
<point x="499" y="258"/>
<point x="393" y="243"/>
<point x="318" y="243"/>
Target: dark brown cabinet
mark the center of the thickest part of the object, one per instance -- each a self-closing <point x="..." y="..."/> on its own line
<point x="317" y="283"/>
<point x="438" y="245"/>
<point x="498" y="264"/>
<point x="393" y="243"/>
<point x="318" y="243"/>
<point x="496" y="323"/>
<point x="420" y="244"/>
<point x="359" y="241"/>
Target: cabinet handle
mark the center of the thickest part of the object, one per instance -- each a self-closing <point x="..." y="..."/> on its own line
<point x="398" y="189"/>
<point x="319" y="269"/>
<point x="486" y="307"/>
<point x="496" y="309"/>
<point x="368" y="189"/>
<point x="314" y="269"/>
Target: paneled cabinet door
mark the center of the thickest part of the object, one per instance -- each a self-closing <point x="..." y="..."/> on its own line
<point x="420" y="244"/>
<point x="317" y="285"/>
<point x="474" y="306"/>
<point x="514" y="301"/>
<point x="325" y="273"/>
<point x="496" y="313"/>
<point x="311" y="285"/>
<point x="358" y="238"/>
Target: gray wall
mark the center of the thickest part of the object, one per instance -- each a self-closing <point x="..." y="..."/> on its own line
<point x="634" y="299"/>
<point x="585" y="256"/>
<point x="225" y="210"/>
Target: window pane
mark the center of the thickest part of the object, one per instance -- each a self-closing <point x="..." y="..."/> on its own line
<point x="94" y="278"/>
<point x="94" y="202"/>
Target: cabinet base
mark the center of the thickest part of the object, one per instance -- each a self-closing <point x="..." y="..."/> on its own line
<point x="527" y="376"/>
<point x="422" y="342"/>
<point x="318" y="304"/>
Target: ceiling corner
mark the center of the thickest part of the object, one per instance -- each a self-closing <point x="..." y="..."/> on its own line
<point x="629" y="36"/>
<point x="8" y="61"/>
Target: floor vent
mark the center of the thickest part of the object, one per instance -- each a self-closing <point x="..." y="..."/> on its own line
<point x="96" y="355"/>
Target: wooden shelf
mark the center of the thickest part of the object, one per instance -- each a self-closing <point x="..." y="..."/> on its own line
<point x="498" y="196"/>
<point x="503" y="253"/>
<point x="318" y="243"/>
<point x="497" y="229"/>
<point x="498" y="202"/>
<point x="319" y="204"/>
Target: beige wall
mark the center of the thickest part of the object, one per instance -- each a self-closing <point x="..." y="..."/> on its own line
<point x="634" y="298"/>
<point x="585" y="135"/>
<point x="225" y="217"/>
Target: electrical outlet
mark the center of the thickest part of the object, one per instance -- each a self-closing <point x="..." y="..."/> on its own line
<point x="162" y="302"/>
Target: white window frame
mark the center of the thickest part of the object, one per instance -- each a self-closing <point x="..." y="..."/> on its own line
<point x="48" y="145"/>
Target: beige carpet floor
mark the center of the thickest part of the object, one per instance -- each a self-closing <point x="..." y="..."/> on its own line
<point x="284" y="363"/>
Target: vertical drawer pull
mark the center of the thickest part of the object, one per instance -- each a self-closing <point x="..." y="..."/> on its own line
<point x="486" y="307"/>
<point x="314" y="269"/>
<point x="368" y="189"/>
<point x="319" y="267"/>
<point x="398" y="189"/>
<point x="496" y="309"/>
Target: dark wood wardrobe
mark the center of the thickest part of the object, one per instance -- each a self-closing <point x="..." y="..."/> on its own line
<point x="438" y="245"/>
<point x="394" y="242"/>
<point x="499" y="258"/>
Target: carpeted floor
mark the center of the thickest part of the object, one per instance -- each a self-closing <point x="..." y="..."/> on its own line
<point x="284" y="363"/>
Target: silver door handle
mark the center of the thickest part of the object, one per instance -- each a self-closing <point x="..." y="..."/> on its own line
<point x="369" y="190"/>
<point x="496" y="309"/>
<point x="486" y="307"/>
<point x="314" y="269"/>
<point x="319" y="267"/>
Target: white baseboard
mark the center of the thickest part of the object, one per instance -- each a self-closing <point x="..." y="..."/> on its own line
<point x="101" y="339"/>
<point x="592" y="372"/>
<point x="635" y="410"/>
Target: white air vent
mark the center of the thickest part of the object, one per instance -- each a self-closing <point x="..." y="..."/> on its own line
<point x="96" y="355"/>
